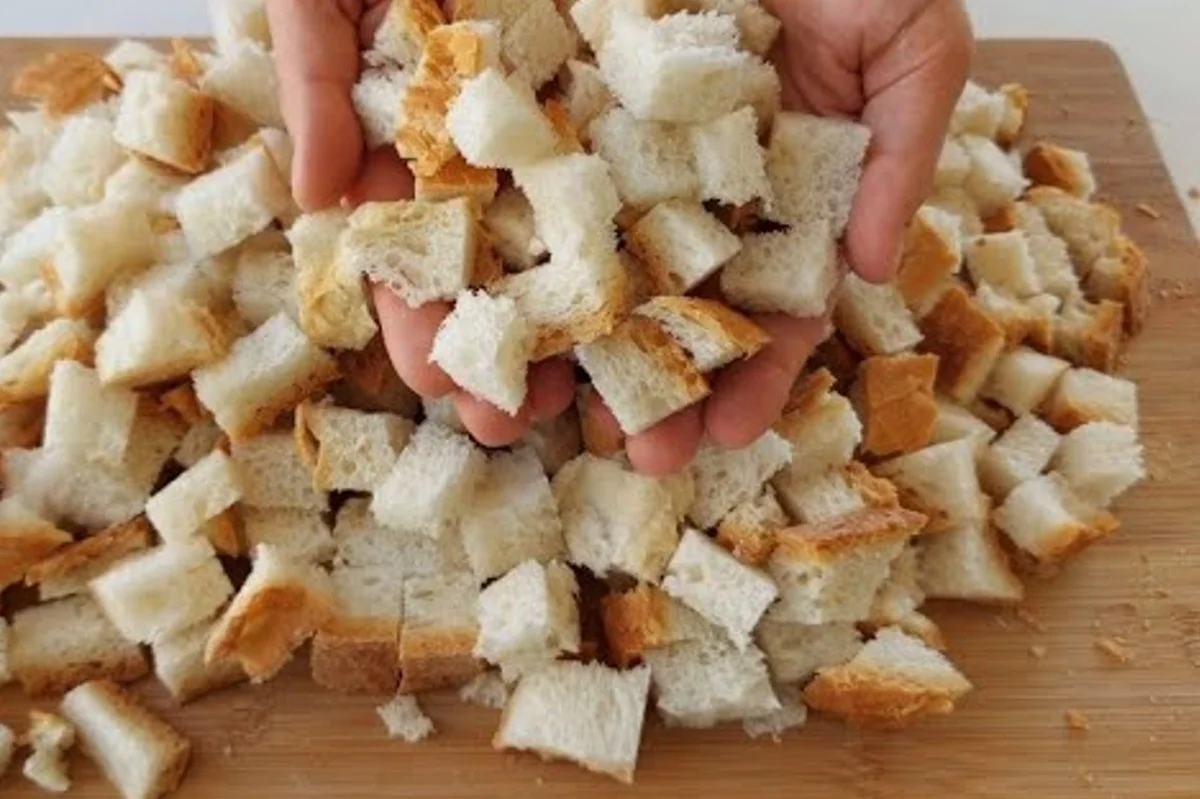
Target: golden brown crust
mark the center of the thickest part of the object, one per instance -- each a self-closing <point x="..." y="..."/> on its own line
<point x="333" y="308"/>
<point x="1072" y="538"/>
<point x="1095" y="343"/>
<point x="263" y="633"/>
<point x="224" y="532"/>
<point x="634" y="622"/>
<point x="182" y="401"/>
<point x="1018" y="99"/>
<point x="833" y="537"/>
<point x="457" y="178"/>
<point x="967" y="341"/>
<point x="263" y="418"/>
<point x="894" y="397"/>
<point x="66" y="82"/>
<point x="806" y="397"/>
<point x="1049" y="165"/>
<point x="751" y="544"/>
<point x="417" y="18"/>
<point x="723" y="323"/>
<point x="34" y="382"/>
<point x="1005" y="220"/>
<point x="649" y="337"/>
<point x="183" y="63"/>
<point x="356" y="664"/>
<point x="877" y="492"/>
<point x="230" y="127"/>
<point x="104" y="548"/>
<point x="433" y="659"/>
<point x="870" y="698"/>
<point x="28" y="427"/>
<point x="560" y="119"/>
<point x="24" y="546"/>
<point x="927" y="260"/>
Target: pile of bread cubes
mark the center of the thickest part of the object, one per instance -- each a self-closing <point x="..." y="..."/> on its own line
<point x="209" y="464"/>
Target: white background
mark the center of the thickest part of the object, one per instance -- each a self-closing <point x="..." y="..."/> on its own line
<point x="1157" y="39"/>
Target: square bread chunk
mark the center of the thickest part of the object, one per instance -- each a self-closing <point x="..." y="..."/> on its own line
<point x="528" y="618"/>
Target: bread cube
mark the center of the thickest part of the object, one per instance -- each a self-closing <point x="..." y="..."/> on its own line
<point x="815" y="164"/>
<point x="86" y="419"/>
<point x="650" y="162"/>
<point x="1049" y="522"/>
<point x="792" y="272"/>
<point x="966" y="340"/>
<point x="725" y="478"/>
<point x="730" y="163"/>
<point x="642" y="374"/>
<point x="1023" y="379"/>
<point x="897" y="602"/>
<point x="83" y="158"/>
<point x="272" y="474"/>
<point x="1048" y="164"/>
<point x="265" y="374"/>
<point x="748" y="531"/>
<point x="1090" y="229"/>
<point x="431" y="481"/>
<point x="509" y="222"/>
<point x="239" y="21"/>
<point x="1021" y="453"/>
<point x="279" y="607"/>
<point x="1003" y="260"/>
<point x="831" y="571"/>
<point x="645" y="618"/>
<point x="1123" y="278"/>
<point x="295" y="533"/>
<point x="894" y="398"/>
<point x="587" y="95"/>
<point x="574" y="200"/>
<point x="375" y="101"/>
<point x="156" y="338"/>
<point x="96" y="245"/>
<point x="796" y="651"/>
<point x="349" y="450"/>
<point x="822" y="427"/>
<point x="636" y="536"/>
<point x="955" y="422"/>
<point x="713" y="334"/>
<point x="405" y="28"/>
<point x="484" y="345"/>
<point x="180" y="510"/>
<point x="512" y="517"/>
<point x="1090" y="335"/>
<point x="1085" y="395"/>
<point x="1100" y="461"/>
<point x="536" y="39"/>
<point x="361" y="541"/>
<point x="264" y="284"/>
<point x="707" y="579"/>
<point x="358" y="650"/>
<point x="940" y="481"/>
<point x="978" y="112"/>
<point x="968" y="563"/>
<point x="129" y="55"/>
<point x="229" y="205"/>
<point x="333" y="309"/>
<point x="165" y="119"/>
<point x="994" y="181"/>
<point x="439" y="633"/>
<point x="180" y="666"/>
<point x="1030" y="320"/>
<point x="893" y="681"/>
<point x="242" y="77"/>
<point x="70" y="568"/>
<point x="495" y="124"/>
<point x="682" y="245"/>
<point x="139" y="753"/>
<point x="874" y="319"/>
<point x="820" y="497"/>
<point x="932" y="253"/>
<point x="528" y="617"/>
<point x="163" y="591"/>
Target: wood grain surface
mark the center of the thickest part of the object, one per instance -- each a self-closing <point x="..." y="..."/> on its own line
<point x="1009" y="739"/>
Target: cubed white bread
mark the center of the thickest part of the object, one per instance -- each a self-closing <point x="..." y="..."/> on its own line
<point x="1090" y="334"/>
<point x="404" y="719"/>
<point x="438" y="638"/>
<point x="528" y="617"/>
<point x="555" y="441"/>
<point x="725" y="478"/>
<point x="748" y="531"/>
<point x="272" y="474"/>
<point x="497" y="124"/>
<point x="1052" y="260"/>
<point x="1090" y="229"/>
<point x="165" y="119"/>
<point x="362" y="541"/>
<point x="589" y="714"/>
<point x="139" y="753"/>
<point x="593" y="18"/>
<point x="791" y="272"/>
<point x="968" y="563"/>
<point x="28" y="248"/>
<point x="645" y="618"/>
<point x="642" y="374"/>
<point x="967" y="341"/>
<point x="814" y="165"/>
<point x="636" y="535"/>
<point x="63" y="488"/>
<point x="818" y="497"/>
<point x="59" y="645"/>
<point x="1023" y="379"/>
<point x="510" y="226"/>
<point x="264" y="284"/>
<point x="536" y="39"/>
<point x="402" y="35"/>
<point x="180" y="510"/>
<point x="512" y="517"/>
<point x="713" y="334"/>
<point x="225" y="207"/>
<point x="129" y="55"/>
<point x="1031" y="320"/>
<point x="83" y="157"/>
<point x="138" y="181"/>
<point x="155" y="338"/>
<point x="27" y="537"/>
<point x="332" y="309"/>
<point x="899" y="598"/>
<point x="574" y="200"/>
<point x="86" y="419"/>
<point x="68" y="570"/>
<point x="824" y="432"/>
<point x="1085" y="395"/>
<point x="177" y="277"/>
<point x="180" y="666"/>
<point x="1005" y="261"/>
<point x="681" y="244"/>
<point x="164" y="590"/>
<point x="873" y="317"/>
<point x="1021" y="453"/>
<point x="1048" y="164"/>
<point x="484" y="345"/>
<point x="242" y="77"/>
<point x="97" y="245"/>
<point x="264" y="374"/>
<point x="994" y="180"/>
<point x="236" y="21"/>
<point x="281" y="604"/>
<point x="893" y="681"/>
<point x="349" y="450"/>
<point x="932" y="253"/>
<point x="940" y="481"/>
<point x="422" y="250"/>
<point x="1049" y="522"/>
<point x="684" y="68"/>
<point x="758" y="29"/>
<point x="730" y="163"/>
<point x="376" y="98"/>
<point x="587" y="95"/>
<point x="1100" y="461"/>
<point x="830" y="571"/>
<point x="978" y="112"/>
<point x="298" y="534"/>
<point x="431" y="482"/>
<point x="720" y="588"/>
<point x="954" y="422"/>
<point x="650" y="162"/>
<point x="49" y="737"/>
<point x="1123" y="277"/>
<point x="795" y="651"/>
<point x="357" y="651"/>
<point x="197" y="441"/>
<point x="953" y="165"/>
<point x="955" y="200"/>
<point x="894" y="397"/>
<point x="1016" y="112"/>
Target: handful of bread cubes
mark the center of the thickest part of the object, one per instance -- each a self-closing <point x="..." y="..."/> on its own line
<point x="193" y="379"/>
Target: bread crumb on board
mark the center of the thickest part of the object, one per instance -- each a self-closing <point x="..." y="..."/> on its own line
<point x="1037" y="652"/>
<point x="1116" y="649"/>
<point x="1077" y="720"/>
<point x="1147" y="210"/>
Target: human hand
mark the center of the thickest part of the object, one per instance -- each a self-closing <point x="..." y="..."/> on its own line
<point x="318" y="46"/>
<point x="898" y="66"/>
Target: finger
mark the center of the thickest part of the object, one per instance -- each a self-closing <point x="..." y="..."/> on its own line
<point x="911" y="89"/>
<point x="602" y="434"/>
<point x="384" y="177"/>
<point x="748" y="396"/>
<point x="408" y="334"/>
<point x="488" y="424"/>
<point x="372" y="18"/>
<point x="551" y="389"/>
<point x="670" y="445"/>
<point x="316" y="55"/>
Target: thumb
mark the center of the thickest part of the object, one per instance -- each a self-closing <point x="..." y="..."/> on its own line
<point x="316" y="55"/>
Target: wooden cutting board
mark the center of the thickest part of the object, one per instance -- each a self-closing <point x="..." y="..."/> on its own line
<point x="289" y="739"/>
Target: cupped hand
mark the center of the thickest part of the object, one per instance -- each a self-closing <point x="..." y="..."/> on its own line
<point x="898" y="66"/>
<point x="318" y="45"/>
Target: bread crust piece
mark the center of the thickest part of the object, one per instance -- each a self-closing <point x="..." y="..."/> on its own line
<point x="457" y="178"/>
<point x="433" y="659"/>
<point x="825" y="539"/>
<point x="806" y="396"/>
<point x="23" y="545"/>
<point x="1048" y="165"/>
<point x="894" y="397"/>
<point x="67" y="81"/>
<point x="876" y="492"/>
<point x="356" y="660"/>
<point x="33" y="382"/>
<point x="875" y="698"/>
<point x="1092" y="337"/>
<point x="926" y="262"/>
<point x="99" y="550"/>
<point x="635" y="621"/>
<point x="1124" y="280"/>
<point x="733" y="330"/>
<point x="966" y="340"/>
<point x="263" y="634"/>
